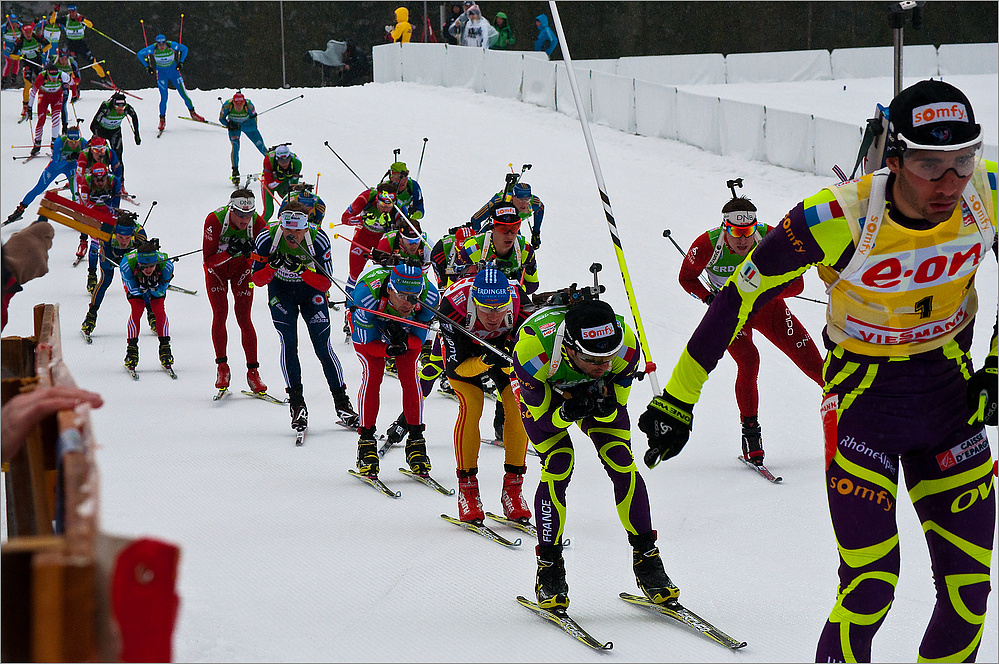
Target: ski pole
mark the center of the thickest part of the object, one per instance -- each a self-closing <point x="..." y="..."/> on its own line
<point x="179" y="256"/>
<point x="180" y="37"/>
<point x="181" y="290"/>
<point x="420" y="167"/>
<point x="316" y="190"/>
<point x="93" y="64"/>
<point x="114" y="41"/>
<point x="650" y="367"/>
<point x="281" y="104"/>
<point x="404" y="216"/>
<point x="461" y="328"/>
<point x="145" y="40"/>
<point x="14" y="147"/>
<point x="149" y="213"/>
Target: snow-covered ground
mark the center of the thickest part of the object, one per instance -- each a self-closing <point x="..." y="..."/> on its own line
<point x="287" y="558"/>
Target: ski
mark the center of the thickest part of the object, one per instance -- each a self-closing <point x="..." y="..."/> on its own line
<point x="479" y="529"/>
<point x="300" y="437"/>
<point x="132" y="372"/>
<point x="681" y="614"/>
<point x="496" y="442"/>
<point x="429" y="481"/>
<point x="169" y="369"/>
<point x="567" y="624"/>
<point x="79" y="259"/>
<point x="524" y="526"/>
<point x="160" y="132"/>
<point x="207" y="122"/>
<point x="131" y="198"/>
<point x="762" y="470"/>
<point x="222" y="392"/>
<point x="264" y="396"/>
<point x="182" y="290"/>
<point x="24" y="118"/>
<point x="389" y="443"/>
<point x="346" y="426"/>
<point x="376" y="483"/>
<point x="89" y="339"/>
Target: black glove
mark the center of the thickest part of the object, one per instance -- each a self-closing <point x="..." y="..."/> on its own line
<point x="536" y="239"/>
<point x="29" y="113"/>
<point x="279" y="260"/>
<point x="239" y="246"/>
<point x="397" y="336"/>
<point x="138" y="141"/>
<point x="395" y="350"/>
<point x="232" y="125"/>
<point x="667" y="422"/>
<point x="380" y="256"/>
<point x="577" y="406"/>
<point x="253" y="115"/>
<point x="708" y="299"/>
<point x="982" y="382"/>
<point x="180" y="66"/>
<point x="491" y="360"/>
<point x="150" y="69"/>
<point x="148" y="282"/>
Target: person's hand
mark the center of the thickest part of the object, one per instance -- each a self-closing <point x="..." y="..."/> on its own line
<point x="667" y="422"/>
<point x="981" y="394"/>
<point x="239" y="246"/>
<point x="280" y="260"/>
<point x="138" y="140"/>
<point x="180" y="66"/>
<point x="29" y="113"/>
<point x="396" y="335"/>
<point x="24" y="411"/>
<point x="577" y="406"/>
<point x="148" y="282"/>
<point x="491" y="359"/>
<point x="232" y="125"/>
<point x="26" y="253"/>
<point x="708" y="299"/>
<point x="536" y="239"/>
<point x="150" y="69"/>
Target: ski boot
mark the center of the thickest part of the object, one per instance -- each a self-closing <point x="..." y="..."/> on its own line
<point x="469" y="502"/>
<point x="25" y="111"/>
<point x="235" y="176"/>
<point x="416" y="450"/>
<point x="397" y="430"/>
<point x="162" y="124"/>
<point x="344" y="409"/>
<point x="551" y="588"/>
<point x="222" y="373"/>
<point x="90" y="322"/>
<point x="253" y="378"/>
<point x="166" y="355"/>
<point x="132" y="353"/>
<point x="514" y="506"/>
<point x="299" y="413"/>
<point x="649" y="573"/>
<point x="446" y="389"/>
<point x="390" y="367"/>
<point x="84" y="247"/>
<point x="151" y="319"/>
<point x="36" y="149"/>
<point x="752" y="441"/>
<point x="195" y="116"/>
<point x="367" y="453"/>
<point x="17" y="214"/>
<point x="91" y="279"/>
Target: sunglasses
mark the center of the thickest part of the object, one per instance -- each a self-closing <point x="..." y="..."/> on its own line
<point x="594" y="360"/>
<point x="493" y="307"/>
<point x="932" y="165"/>
<point x="740" y="231"/>
<point x="240" y="213"/>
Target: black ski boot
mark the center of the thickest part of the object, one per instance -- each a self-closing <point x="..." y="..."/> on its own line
<point x="649" y="573"/>
<point x="235" y="176"/>
<point x="90" y="321"/>
<point x="344" y="409"/>
<point x="37" y="148"/>
<point x="17" y="214"/>
<point x="397" y="430"/>
<point x="416" y="450"/>
<point x="91" y="279"/>
<point x="498" y="420"/>
<point x="132" y="354"/>
<point x="151" y="319"/>
<point x="752" y="441"/>
<point x="299" y="413"/>
<point x="166" y="355"/>
<point x="551" y="588"/>
<point x="367" y="453"/>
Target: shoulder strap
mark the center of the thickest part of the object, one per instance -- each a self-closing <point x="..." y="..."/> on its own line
<point x="868" y="229"/>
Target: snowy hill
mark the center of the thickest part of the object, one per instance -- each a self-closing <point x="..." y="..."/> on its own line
<point x="287" y="558"/>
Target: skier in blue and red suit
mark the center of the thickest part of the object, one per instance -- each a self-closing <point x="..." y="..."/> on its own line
<point x="899" y="250"/>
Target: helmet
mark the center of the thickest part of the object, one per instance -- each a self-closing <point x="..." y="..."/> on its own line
<point x="282" y="152"/>
<point x="406" y="279"/>
<point x="99" y="170"/>
<point x="592" y="328"/>
<point x="930" y="115"/>
<point x="506" y="215"/>
<point x="98" y="144"/>
<point x="491" y="289"/>
<point x="27" y="29"/>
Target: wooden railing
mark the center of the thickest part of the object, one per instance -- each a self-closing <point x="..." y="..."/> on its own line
<point x="59" y="572"/>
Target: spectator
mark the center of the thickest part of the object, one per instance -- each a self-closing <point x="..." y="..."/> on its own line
<point x="504" y="38"/>
<point x="24" y="411"/>
<point x="475" y="30"/>
<point x="457" y="12"/>
<point x="25" y="256"/>
<point x="546" y="41"/>
<point x="403" y="30"/>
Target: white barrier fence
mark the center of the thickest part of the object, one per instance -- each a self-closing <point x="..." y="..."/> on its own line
<point x="638" y="95"/>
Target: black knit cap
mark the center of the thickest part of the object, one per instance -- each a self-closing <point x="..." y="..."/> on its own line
<point x="932" y="114"/>
<point x="592" y="328"/>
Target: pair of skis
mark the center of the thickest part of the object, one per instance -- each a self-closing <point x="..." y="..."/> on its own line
<point x="671" y="610"/>
<point x="258" y="395"/>
<point x="168" y="368"/>
<point x="425" y="479"/>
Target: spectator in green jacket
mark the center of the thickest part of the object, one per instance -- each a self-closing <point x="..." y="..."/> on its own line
<point x="505" y="40"/>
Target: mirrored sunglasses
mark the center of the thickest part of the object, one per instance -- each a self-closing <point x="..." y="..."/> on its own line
<point x="740" y="231"/>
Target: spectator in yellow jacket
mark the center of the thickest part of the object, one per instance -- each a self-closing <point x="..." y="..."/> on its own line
<point x="403" y="31"/>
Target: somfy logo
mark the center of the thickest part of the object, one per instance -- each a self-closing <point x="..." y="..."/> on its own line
<point x="939" y="112"/>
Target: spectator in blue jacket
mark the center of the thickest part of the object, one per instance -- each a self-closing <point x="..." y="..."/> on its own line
<point x="546" y="41"/>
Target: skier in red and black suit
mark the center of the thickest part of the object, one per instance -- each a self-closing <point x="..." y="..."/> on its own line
<point x="718" y="253"/>
<point x="373" y="213"/>
<point x="228" y="241"/>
